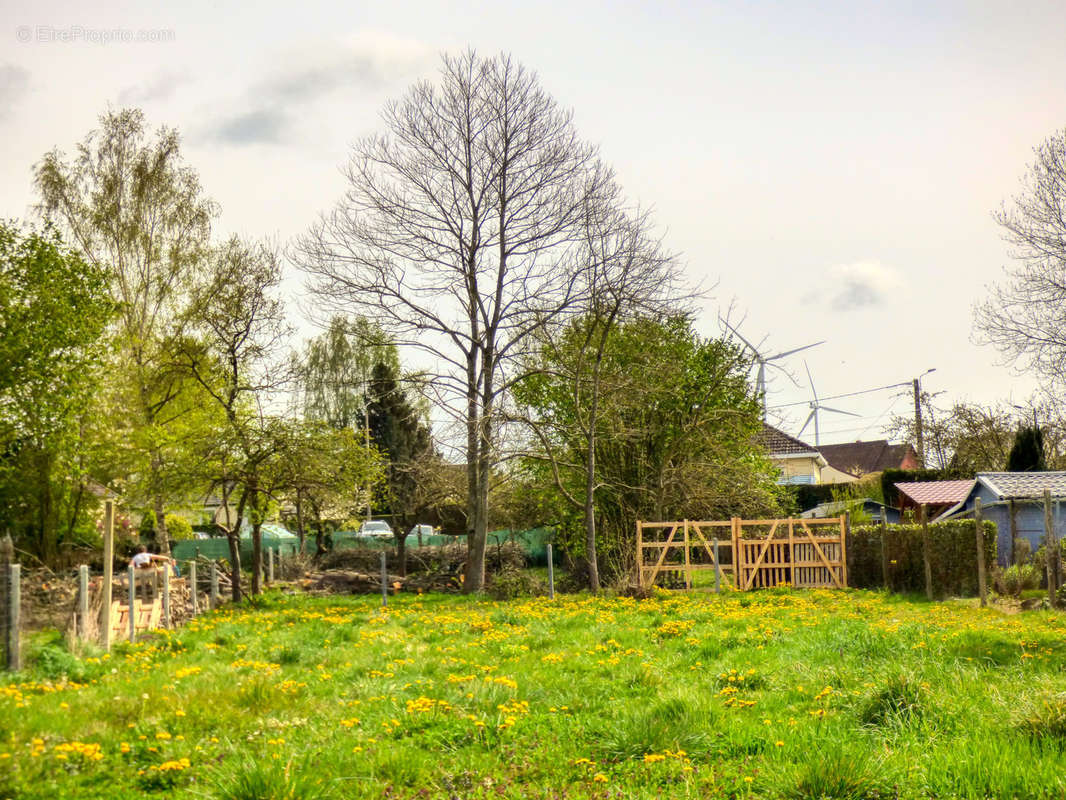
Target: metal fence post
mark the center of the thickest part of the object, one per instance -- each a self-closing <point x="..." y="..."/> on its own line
<point x="384" y="582"/>
<point x="166" y="596"/>
<point x="14" y="590"/>
<point x="214" y="584"/>
<point x="717" y="568"/>
<point x="270" y="565"/>
<point x="192" y="587"/>
<point x="132" y="573"/>
<point x="83" y="601"/>
<point x="551" y="572"/>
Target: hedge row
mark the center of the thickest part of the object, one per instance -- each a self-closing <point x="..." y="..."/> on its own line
<point x="953" y="557"/>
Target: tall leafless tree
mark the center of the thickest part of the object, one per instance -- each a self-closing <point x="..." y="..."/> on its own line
<point x="460" y="233"/>
<point x="1025" y="318"/>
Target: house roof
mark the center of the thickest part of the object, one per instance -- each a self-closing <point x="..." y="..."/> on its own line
<point x="780" y="443"/>
<point x="862" y="458"/>
<point x="936" y="493"/>
<point x="1024" y="484"/>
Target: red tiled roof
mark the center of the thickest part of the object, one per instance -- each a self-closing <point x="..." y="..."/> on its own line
<point x="935" y="493"/>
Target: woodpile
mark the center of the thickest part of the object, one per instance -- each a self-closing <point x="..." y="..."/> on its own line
<point x="343" y="581"/>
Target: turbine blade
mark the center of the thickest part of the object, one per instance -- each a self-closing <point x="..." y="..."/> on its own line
<point x="798" y="349"/>
<point x="839" y="411"/>
<point x="813" y="390"/>
<point x="808" y="422"/>
<point x="737" y="334"/>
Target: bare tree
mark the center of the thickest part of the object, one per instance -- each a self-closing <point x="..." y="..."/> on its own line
<point x="133" y="207"/>
<point x="1025" y="319"/>
<point x="235" y="329"/>
<point x="459" y="234"/>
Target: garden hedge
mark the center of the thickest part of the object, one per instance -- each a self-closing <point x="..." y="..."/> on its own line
<point x="953" y="556"/>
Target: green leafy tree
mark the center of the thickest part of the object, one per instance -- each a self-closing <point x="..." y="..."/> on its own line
<point x="336" y="367"/>
<point x="676" y="434"/>
<point x="134" y="210"/>
<point x="54" y="309"/>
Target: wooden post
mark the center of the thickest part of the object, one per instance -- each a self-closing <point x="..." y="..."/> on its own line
<point x="791" y="552"/>
<point x="1012" y="508"/>
<point x="640" y="554"/>
<point x="551" y="573"/>
<point x="193" y="589"/>
<point x="384" y="582"/>
<point x="166" y="596"/>
<point x="7" y="558"/>
<point x="270" y="565"/>
<point x="884" y="549"/>
<point x="109" y="577"/>
<point x="688" y="563"/>
<point x="738" y="555"/>
<point x="214" y="585"/>
<point x="845" y="532"/>
<point x="83" y="602"/>
<point x="1052" y="547"/>
<point x="14" y="601"/>
<point x="717" y="568"/>
<point x="925" y="552"/>
<point x="982" y="588"/>
<point x="132" y="573"/>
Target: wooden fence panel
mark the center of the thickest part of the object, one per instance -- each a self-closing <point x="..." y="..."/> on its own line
<point x="758" y="554"/>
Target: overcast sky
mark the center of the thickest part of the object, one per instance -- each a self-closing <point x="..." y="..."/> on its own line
<point x="829" y="168"/>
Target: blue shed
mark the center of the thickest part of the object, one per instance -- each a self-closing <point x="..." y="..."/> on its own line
<point x="1015" y="502"/>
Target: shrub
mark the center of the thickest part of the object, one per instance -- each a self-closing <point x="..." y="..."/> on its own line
<point x="1017" y="578"/>
<point x="179" y="529"/>
<point x="512" y="583"/>
<point x="953" y="556"/>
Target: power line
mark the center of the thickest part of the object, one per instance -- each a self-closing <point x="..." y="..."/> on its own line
<point x="849" y="394"/>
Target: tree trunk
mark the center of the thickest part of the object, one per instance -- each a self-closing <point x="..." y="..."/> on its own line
<point x="234" y="539"/>
<point x="257" y="557"/>
<point x="162" y="536"/>
<point x="300" y="521"/>
<point x="234" y="536"/>
<point x="472" y="582"/>
<point x="401" y="553"/>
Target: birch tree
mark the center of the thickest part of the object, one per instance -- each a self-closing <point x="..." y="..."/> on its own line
<point x="133" y="208"/>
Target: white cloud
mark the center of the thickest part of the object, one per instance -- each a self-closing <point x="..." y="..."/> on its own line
<point x="861" y="284"/>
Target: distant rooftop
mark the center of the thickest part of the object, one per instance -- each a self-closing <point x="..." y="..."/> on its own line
<point x="780" y="443"/>
<point x="862" y="458"/>
<point x="936" y="493"/>
<point x="1024" y="484"/>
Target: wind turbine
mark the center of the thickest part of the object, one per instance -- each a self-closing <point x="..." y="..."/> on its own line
<point x="816" y="406"/>
<point x="762" y="361"/>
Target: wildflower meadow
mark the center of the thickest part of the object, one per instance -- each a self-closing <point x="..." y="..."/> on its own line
<point x="779" y="693"/>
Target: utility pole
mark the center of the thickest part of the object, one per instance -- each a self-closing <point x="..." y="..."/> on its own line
<point x="918" y="423"/>
<point x="918" y="433"/>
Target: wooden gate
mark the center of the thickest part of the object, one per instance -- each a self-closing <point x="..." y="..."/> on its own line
<point x="756" y="554"/>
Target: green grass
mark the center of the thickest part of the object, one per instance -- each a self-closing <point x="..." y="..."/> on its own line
<point x="768" y="694"/>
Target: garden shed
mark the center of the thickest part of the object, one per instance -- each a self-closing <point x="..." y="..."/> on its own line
<point x="1015" y="502"/>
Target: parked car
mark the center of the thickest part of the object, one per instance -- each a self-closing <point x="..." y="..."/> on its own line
<point x="418" y="531"/>
<point x="378" y="528"/>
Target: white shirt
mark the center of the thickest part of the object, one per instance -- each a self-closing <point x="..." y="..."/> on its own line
<point x="142" y="560"/>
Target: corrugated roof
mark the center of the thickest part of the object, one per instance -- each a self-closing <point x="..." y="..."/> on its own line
<point x="1024" y="484"/>
<point x="862" y="458"/>
<point x="780" y="443"/>
<point x="936" y="493"/>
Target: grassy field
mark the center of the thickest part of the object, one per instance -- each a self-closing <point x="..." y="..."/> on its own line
<point x="770" y="694"/>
